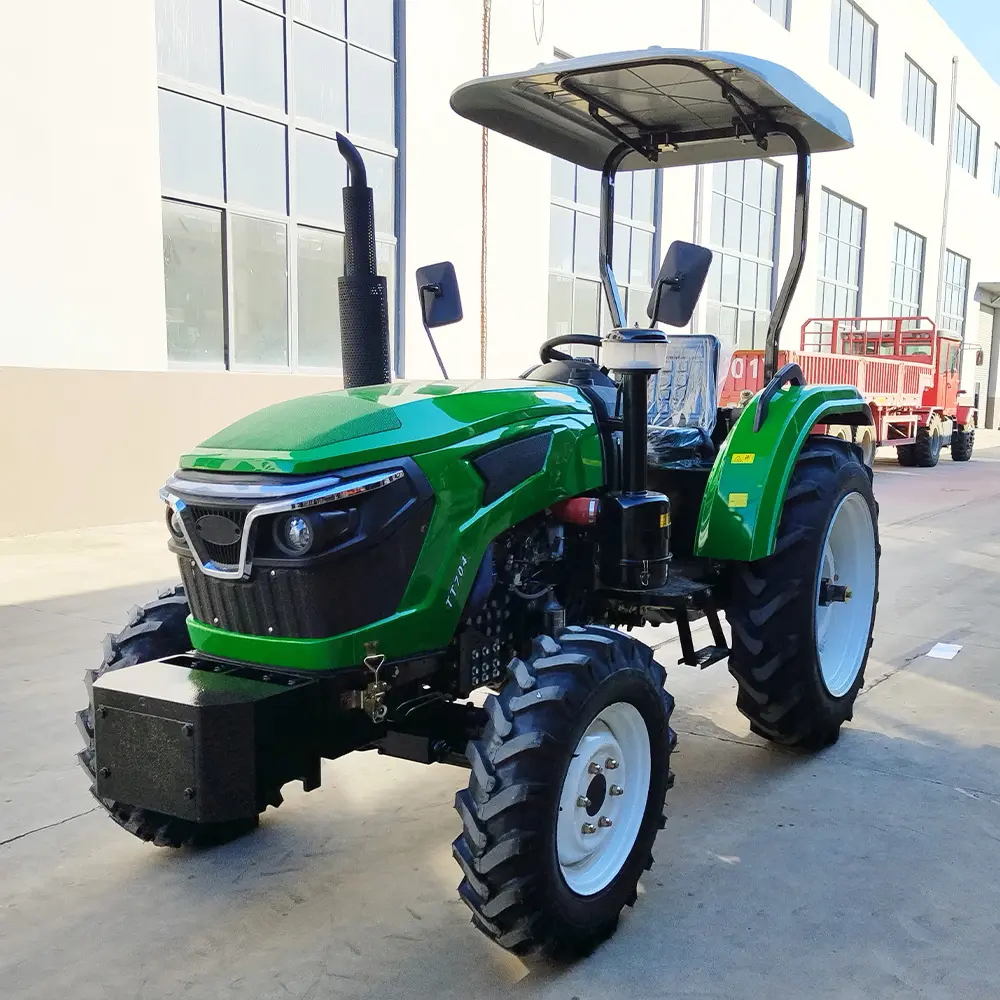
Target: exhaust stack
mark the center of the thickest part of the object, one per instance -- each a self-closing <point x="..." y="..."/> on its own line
<point x="364" y="301"/>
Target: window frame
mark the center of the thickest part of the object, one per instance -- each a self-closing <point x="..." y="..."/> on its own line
<point x="721" y="251"/>
<point x="767" y="7"/>
<point x="904" y="307"/>
<point x="912" y="66"/>
<point x="295" y="219"/>
<point x="963" y="118"/>
<point x="822" y="279"/>
<point x="962" y="289"/>
<point x="838" y="8"/>
<point x="578" y="208"/>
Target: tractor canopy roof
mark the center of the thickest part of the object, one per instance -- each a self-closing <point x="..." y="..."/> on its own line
<point x="675" y="107"/>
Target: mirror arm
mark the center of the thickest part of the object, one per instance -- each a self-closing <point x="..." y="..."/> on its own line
<point x="434" y="291"/>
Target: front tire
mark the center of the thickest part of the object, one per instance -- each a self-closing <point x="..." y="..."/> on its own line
<point x="154" y="631"/>
<point x="566" y="793"/>
<point x="800" y="662"/>
<point x="962" y="443"/>
<point x="927" y="450"/>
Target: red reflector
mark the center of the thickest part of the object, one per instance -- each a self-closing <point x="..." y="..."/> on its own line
<point x="578" y="510"/>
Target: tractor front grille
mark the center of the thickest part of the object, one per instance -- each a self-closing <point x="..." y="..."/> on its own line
<point x="224" y="556"/>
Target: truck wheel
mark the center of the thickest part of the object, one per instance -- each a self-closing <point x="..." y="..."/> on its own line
<point x="961" y="444"/>
<point x="566" y="793"/>
<point x="802" y="618"/>
<point x="156" y="630"/>
<point x="865" y="440"/>
<point x="927" y="450"/>
<point x="906" y="455"/>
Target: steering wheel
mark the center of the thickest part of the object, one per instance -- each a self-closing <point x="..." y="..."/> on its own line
<point x="547" y="352"/>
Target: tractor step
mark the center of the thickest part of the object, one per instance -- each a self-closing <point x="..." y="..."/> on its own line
<point x="705" y="657"/>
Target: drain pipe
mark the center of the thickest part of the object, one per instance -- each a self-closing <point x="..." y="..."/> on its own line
<point x="699" y="171"/>
<point x="947" y="188"/>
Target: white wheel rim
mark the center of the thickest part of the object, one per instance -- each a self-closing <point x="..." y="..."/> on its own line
<point x="614" y="751"/>
<point x="867" y="444"/>
<point x="842" y="627"/>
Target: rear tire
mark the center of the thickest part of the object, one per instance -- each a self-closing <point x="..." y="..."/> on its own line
<point x="156" y="630"/>
<point x="927" y="450"/>
<point x="800" y="664"/>
<point x="536" y="880"/>
<point x="962" y="443"/>
<point x="906" y="455"/>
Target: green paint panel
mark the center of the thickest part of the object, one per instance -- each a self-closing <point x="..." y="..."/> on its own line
<point x="416" y="417"/>
<point x="311" y="422"/>
<point x="746" y="489"/>
<point x="460" y="528"/>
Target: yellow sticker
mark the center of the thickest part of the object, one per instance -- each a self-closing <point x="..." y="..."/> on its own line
<point x="744" y="458"/>
<point x="664" y="520"/>
<point x="738" y="499"/>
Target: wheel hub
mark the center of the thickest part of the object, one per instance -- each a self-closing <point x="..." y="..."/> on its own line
<point x="603" y="798"/>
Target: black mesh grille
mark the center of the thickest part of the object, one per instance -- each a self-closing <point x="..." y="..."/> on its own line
<point x="321" y="598"/>
<point x="364" y="326"/>
<point x="225" y="556"/>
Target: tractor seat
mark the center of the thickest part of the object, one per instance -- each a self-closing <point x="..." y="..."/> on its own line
<point x="683" y="404"/>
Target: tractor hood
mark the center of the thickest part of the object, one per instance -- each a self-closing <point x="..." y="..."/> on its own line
<point x="332" y="430"/>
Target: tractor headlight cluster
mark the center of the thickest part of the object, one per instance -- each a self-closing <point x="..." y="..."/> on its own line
<point x="174" y="524"/>
<point x="300" y="533"/>
<point x="294" y="534"/>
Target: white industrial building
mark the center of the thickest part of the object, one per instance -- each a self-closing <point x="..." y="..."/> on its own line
<point x="170" y="192"/>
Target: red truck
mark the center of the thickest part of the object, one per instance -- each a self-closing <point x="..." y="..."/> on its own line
<point x="907" y="370"/>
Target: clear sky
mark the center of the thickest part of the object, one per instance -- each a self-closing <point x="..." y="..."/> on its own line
<point x="977" y="23"/>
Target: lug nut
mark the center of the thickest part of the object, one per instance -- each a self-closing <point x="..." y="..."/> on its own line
<point x="594" y="768"/>
<point x="604" y="822"/>
<point x="616" y="790"/>
<point x="588" y="828"/>
<point x="583" y="802"/>
<point x="611" y="763"/>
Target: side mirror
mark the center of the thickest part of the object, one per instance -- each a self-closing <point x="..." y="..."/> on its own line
<point x="678" y="285"/>
<point x="440" y="302"/>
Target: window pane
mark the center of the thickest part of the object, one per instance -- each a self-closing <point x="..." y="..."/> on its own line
<point x="733" y="217"/>
<point x="766" y="236"/>
<point x="321" y="263"/>
<point x="744" y="336"/>
<point x="769" y="187"/>
<point x="369" y="23"/>
<point x="642" y="195"/>
<point x="260" y="292"/>
<point x="320" y="174"/>
<point x="727" y="324"/>
<point x="560" y="305"/>
<point x="638" y="299"/>
<point x="187" y="41"/>
<point x="192" y="268"/>
<point x="623" y="194"/>
<point x="255" y="162"/>
<point x="371" y="97"/>
<point x="327" y="14"/>
<point x="718" y="218"/>
<point x="254" y="47"/>
<point x="382" y="180"/>
<point x="561" y="239"/>
<point x="730" y="278"/>
<point x="586" y="248"/>
<point x="619" y="252"/>
<point x="764" y="281"/>
<point x="588" y="187"/>
<point x="563" y="179"/>
<point x="320" y="77"/>
<point x="385" y="264"/>
<point x="642" y="258"/>
<point x="752" y="183"/>
<point x="748" y="283"/>
<point x="586" y="299"/>
<point x="750" y="238"/>
<point x="190" y="146"/>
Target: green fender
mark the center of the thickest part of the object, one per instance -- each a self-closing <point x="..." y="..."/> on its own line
<point x="746" y="489"/>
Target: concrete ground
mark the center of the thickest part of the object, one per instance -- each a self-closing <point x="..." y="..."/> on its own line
<point x="869" y="870"/>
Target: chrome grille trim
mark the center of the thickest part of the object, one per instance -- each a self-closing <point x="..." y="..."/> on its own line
<point x="305" y="495"/>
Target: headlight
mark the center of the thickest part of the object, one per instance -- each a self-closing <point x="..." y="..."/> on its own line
<point x="294" y="534"/>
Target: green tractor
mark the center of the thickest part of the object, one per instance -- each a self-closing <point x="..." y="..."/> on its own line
<point x="448" y="571"/>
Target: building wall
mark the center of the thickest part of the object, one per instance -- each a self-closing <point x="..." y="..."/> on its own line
<point x="82" y="332"/>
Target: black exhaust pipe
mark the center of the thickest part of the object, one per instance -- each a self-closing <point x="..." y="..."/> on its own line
<point x="364" y="299"/>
